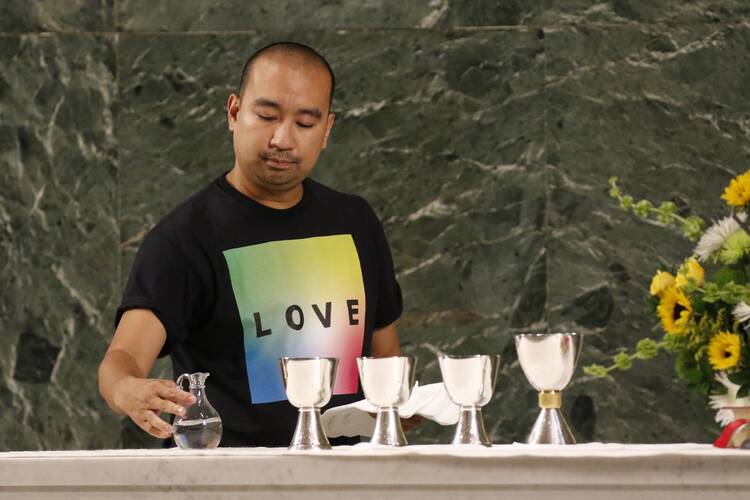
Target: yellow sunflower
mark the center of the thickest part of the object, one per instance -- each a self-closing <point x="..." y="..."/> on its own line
<point x="675" y="311"/>
<point x="724" y="350"/>
<point x="661" y="281"/>
<point x="737" y="193"/>
<point x="690" y="269"/>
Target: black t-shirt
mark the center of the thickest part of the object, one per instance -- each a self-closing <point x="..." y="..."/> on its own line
<point x="237" y="285"/>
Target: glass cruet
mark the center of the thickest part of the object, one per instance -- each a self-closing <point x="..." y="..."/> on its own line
<point x="200" y="427"/>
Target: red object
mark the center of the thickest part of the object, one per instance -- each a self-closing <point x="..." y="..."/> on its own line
<point x="726" y="435"/>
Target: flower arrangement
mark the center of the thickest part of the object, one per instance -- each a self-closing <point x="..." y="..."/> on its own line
<point x="704" y="316"/>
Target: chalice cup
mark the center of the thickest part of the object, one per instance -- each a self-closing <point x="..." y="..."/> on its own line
<point x="470" y="382"/>
<point x="309" y="383"/>
<point x="549" y="360"/>
<point x="387" y="384"/>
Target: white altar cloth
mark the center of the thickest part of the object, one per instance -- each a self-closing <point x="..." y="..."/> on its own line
<point x="594" y="470"/>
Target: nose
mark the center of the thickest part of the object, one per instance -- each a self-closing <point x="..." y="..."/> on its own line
<point x="282" y="137"/>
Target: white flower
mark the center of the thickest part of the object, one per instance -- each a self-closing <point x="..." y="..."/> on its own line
<point x="741" y="312"/>
<point x="714" y="237"/>
<point x="719" y="401"/>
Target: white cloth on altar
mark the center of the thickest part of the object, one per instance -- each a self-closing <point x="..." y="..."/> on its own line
<point x="357" y="419"/>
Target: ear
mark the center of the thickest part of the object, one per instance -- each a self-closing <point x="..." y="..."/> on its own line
<point x="329" y="125"/>
<point x="233" y="109"/>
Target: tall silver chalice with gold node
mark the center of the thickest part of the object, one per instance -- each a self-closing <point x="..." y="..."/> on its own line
<point x="548" y="360"/>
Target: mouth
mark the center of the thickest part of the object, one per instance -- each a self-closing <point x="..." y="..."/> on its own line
<point x="280" y="164"/>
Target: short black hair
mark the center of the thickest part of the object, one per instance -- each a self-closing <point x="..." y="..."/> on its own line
<point x="308" y="54"/>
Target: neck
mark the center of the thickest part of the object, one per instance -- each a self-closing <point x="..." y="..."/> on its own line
<point x="271" y="199"/>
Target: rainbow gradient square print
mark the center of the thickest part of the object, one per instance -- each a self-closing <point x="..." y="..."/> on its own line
<point x="302" y="297"/>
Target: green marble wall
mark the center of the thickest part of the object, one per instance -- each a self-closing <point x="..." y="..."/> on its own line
<point x="483" y="133"/>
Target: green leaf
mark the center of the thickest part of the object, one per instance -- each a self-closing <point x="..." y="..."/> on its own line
<point x="693" y="227"/>
<point x="626" y="202"/>
<point x="642" y="208"/>
<point x="711" y="292"/>
<point x="668" y="207"/>
<point x="694" y="376"/>
<point x="684" y="362"/>
<point x="703" y="388"/>
<point x="666" y="211"/>
<point x="622" y="361"/>
<point x="739" y="378"/>
<point x="678" y="343"/>
<point x="719" y="389"/>
<point x="699" y="305"/>
<point x="706" y="368"/>
<point x="743" y="391"/>
<point x="735" y="247"/>
<point x="597" y="371"/>
<point x="726" y="275"/>
<point x="647" y="348"/>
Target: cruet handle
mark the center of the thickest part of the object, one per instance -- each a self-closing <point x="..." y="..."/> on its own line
<point x="181" y="378"/>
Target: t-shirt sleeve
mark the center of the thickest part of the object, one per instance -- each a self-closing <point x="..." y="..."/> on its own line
<point x="161" y="280"/>
<point x="389" y="299"/>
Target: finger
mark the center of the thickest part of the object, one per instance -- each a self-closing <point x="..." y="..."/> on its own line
<point x="157" y="426"/>
<point x="176" y="395"/>
<point x="411" y="422"/>
<point x="164" y="405"/>
<point x="144" y="423"/>
<point x="157" y="433"/>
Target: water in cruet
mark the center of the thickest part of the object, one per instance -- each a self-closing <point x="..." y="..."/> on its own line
<point x="200" y="427"/>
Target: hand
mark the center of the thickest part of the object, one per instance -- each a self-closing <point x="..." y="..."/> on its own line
<point x="143" y="399"/>
<point x="411" y="423"/>
<point x="407" y="424"/>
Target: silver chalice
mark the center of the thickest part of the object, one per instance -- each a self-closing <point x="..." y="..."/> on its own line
<point x="309" y="384"/>
<point x="387" y="384"/>
<point x="549" y="360"/>
<point x="470" y="382"/>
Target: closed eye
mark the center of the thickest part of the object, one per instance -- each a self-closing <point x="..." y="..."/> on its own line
<point x="305" y="125"/>
<point x="266" y="117"/>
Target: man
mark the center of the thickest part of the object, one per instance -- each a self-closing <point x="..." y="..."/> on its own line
<point x="262" y="263"/>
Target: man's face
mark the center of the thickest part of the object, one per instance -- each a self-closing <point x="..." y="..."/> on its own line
<point x="282" y="122"/>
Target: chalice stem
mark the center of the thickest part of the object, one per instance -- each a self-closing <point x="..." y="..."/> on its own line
<point x="551" y="428"/>
<point x="470" y="427"/>
<point x="309" y="433"/>
<point x="388" y="429"/>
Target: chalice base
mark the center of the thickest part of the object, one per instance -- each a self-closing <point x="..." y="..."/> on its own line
<point x="309" y="433"/>
<point x="550" y="428"/>
<point x="388" y="429"/>
<point x="470" y="427"/>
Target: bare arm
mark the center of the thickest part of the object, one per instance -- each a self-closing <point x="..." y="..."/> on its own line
<point x="385" y="342"/>
<point x="132" y="353"/>
<point x="122" y="374"/>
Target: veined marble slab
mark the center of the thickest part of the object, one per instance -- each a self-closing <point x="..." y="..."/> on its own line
<point x="434" y="471"/>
